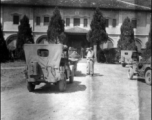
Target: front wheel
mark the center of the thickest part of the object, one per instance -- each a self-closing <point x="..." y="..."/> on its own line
<point x="130" y="73"/>
<point x="62" y="85"/>
<point x="148" y="77"/>
<point x="30" y="86"/>
<point x="123" y="64"/>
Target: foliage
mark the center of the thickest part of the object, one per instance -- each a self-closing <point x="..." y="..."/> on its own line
<point x="4" y="53"/>
<point x="111" y="55"/>
<point x="147" y="52"/>
<point x="127" y="41"/>
<point x="101" y="56"/>
<point x="108" y="55"/>
<point x="97" y="34"/>
<point x="56" y="28"/>
<point x="24" y="36"/>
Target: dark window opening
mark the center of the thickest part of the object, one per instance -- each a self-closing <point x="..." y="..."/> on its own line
<point x="114" y="22"/>
<point x="46" y="20"/>
<point x="38" y="20"/>
<point x="43" y="52"/>
<point x="126" y="53"/>
<point x="16" y="19"/>
<point x="76" y="22"/>
<point x="134" y="23"/>
<point x="85" y="22"/>
<point x="107" y="22"/>
<point x="67" y="21"/>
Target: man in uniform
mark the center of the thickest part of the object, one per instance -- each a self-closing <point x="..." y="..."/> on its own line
<point x="90" y="61"/>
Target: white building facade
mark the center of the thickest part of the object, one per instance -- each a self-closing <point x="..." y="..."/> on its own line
<point x="77" y="21"/>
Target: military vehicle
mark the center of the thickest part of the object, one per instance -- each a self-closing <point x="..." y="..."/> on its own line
<point x="47" y="63"/>
<point x="128" y="56"/>
<point x="142" y="70"/>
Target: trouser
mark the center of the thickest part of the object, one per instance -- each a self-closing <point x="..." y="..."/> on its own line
<point x="90" y="66"/>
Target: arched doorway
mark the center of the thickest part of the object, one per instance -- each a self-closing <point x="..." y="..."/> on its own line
<point x="42" y="39"/>
<point x="79" y="42"/>
<point x="11" y="42"/>
<point x="138" y="43"/>
<point x="11" y="45"/>
<point x="108" y="44"/>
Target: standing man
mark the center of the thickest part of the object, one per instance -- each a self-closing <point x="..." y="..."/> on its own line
<point x="90" y="61"/>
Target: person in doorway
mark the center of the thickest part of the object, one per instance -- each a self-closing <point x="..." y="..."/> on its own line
<point x="90" y="61"/>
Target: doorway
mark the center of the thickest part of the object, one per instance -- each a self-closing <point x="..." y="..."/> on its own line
<point x="79" y="42"/>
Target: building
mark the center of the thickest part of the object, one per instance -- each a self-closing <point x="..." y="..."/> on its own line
<point x="77" y="15"/>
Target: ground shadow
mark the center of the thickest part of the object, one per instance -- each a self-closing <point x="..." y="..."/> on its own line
<point x="141" y="80"/>
<point x="71" y="87"/>
<point x="79" y="74"/>
<point x="97" y="74"/>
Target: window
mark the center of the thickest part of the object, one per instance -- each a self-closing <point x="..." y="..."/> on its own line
<point x="43" y="52"/>
<point x="76" y="22"/>
<point x="107" y="22"/>
<point x="46" y="20"/>
<point x="126" y="53"/>
<point x="16" y="19"/>
<point x="85" y="22"/>
<point x="67" y="21"/>
<point x="114" y="22"/>
<point x="134" y="23"/>
<point x="38" y="20"/>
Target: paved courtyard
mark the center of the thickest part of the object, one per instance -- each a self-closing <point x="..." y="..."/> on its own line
<point x="108" y="95"/>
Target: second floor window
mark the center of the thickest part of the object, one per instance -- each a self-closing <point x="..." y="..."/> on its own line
<point x="16" y="19"/>
<point x="76" y="21"/>
<point x="67" y="21"/>
<point x="38" y="20"/>
<point x="46" y="20"/>
<point x="134" y="23"/>
<point x="107" y="22"/>
<point x="114" y="22"/>
<point x="85" y="22"/>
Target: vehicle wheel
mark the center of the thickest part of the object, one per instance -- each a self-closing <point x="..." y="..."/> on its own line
<point x="123" y="64"/>
<point x="71" y="77"/>
<point x="148" y="77"/>
<point x="130" y="73"/>
<point x="62" y="85"/>
<point x="30" y="86"/>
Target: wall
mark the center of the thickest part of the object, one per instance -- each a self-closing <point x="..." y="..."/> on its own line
<point x="141" y="31"/>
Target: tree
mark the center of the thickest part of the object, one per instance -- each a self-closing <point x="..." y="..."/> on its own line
<point x="4" y="53"/>
<point x="147" y="51"/>
<point x="24" y="36"/>
<point x="127" y="41"/>
<point x="55" y="30"/>
<point x="97" y="35"/>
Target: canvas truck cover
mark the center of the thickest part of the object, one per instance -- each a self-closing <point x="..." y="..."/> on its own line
<point x="52" y="59"/>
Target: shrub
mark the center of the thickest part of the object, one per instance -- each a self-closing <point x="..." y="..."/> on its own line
<point x="24" y="36"/>
<point x="55" y="32"/>
<point x="97" y="35"/>
<point x="4" y="53"/>
<point x="111" y="55"/>
<point x="147" y="52"/>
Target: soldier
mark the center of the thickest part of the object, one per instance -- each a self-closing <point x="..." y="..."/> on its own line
<point x="90" y="61"/>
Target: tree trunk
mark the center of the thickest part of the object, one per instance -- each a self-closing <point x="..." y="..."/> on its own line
<point x="95" y="52"/>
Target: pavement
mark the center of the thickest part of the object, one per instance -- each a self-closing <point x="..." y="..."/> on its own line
<point x="108" y="95"/>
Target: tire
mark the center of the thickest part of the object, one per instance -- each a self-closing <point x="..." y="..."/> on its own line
<point x="62" y="85"/>
<point x="123" y="64"/>
<point x="148" y="77"/>
<point x="30" y="86"/>
<point x="71" y="78"/>
<point x="130" y="73"/>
